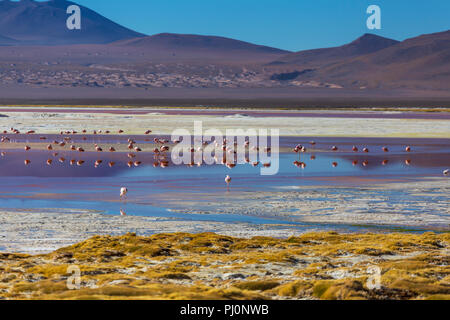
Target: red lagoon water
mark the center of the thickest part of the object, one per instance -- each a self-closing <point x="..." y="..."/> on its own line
<point x="153" y="188"/>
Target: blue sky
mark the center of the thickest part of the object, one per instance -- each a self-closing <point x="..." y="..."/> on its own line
<point x="287" y="24"/>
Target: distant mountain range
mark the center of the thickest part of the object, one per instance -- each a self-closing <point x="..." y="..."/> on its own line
<point x="376" y="62"/>
<point x="36" y="49"/>
<point x="366" y="44"/>
<point x="44" y="23"/>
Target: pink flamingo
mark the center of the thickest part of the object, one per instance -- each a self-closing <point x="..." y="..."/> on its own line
<point x="123" y="193"/>
<point x="228" y="181"/>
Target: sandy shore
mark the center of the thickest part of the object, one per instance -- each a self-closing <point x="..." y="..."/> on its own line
<point x="422" y="205"/>
<point x="43" y="231"/>
<point x="165" y="124"/>
<point x="375" y="208"/>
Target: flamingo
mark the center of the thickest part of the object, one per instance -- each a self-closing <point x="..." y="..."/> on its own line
<point x="27" y="148"/>
<point x="334" y="164"/>
<point x="408" y="162"/>
<point x="366" y="150"/>
<point x="49" y="147"/>
<point x="112" y="149"/>
<point x="123" y="193"/>
<point x="27" y="162"/>
<point x="385" y="162"/>
<point x="122" y="213"/>
<point x="228" y="181"/>
<point x="164" y="164"/>
<point x="408" y="149"/>
<point x="334" y="148"/>
<point x="355" y="149"/>
<point x="385" y="149"/>
<point x="49" y="162"/>
<point x="80" y="163"/>
<point x="111" y="164"/>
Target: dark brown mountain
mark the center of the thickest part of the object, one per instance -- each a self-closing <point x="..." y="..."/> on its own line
<point x="190" y="41"/>
<point x="44" y="23"/>
<point x="366" y="44"/>
<point x="188" y="46"/>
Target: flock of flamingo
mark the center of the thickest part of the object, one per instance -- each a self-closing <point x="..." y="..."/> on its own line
<point x="301" y="149"/>
<point x="160" y="151"/>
